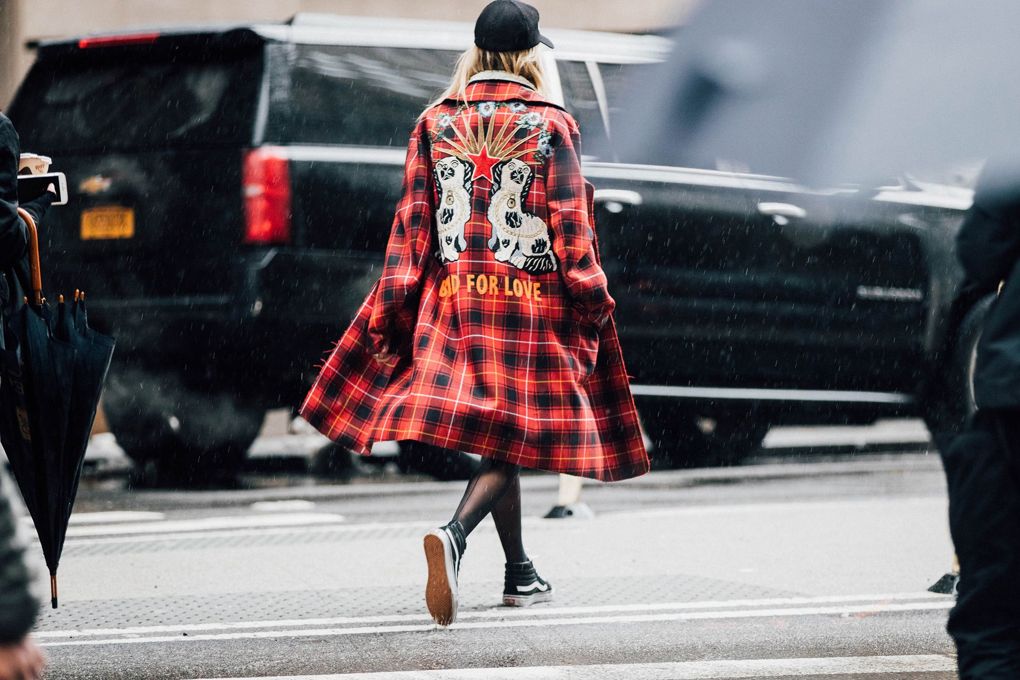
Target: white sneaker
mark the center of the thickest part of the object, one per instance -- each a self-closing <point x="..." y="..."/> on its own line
<point x="443" y="557"/>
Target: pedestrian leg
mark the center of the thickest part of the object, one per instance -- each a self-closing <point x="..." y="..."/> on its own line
<point x="984" y="519"/>
<point x="522" y="586"/>
<point x="506" y="515"/>
<point x="445" y="546"/>
<point x="568" y="503"/>
<point x="493" y="479"/>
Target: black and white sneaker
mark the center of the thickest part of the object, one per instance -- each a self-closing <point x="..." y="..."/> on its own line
<point x="523" y="586"/>
<point x="443" y="549"/>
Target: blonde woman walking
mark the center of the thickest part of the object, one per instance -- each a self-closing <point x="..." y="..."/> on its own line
<point x="490" y="329"/>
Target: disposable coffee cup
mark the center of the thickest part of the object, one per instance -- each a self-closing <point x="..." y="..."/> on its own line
<point x="34" y="163"/>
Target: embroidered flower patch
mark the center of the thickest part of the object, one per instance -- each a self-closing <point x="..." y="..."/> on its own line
<point x="530" y="120"/>
<point x="545" y="147"/>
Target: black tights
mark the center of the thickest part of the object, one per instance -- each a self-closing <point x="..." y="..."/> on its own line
<point x="496" y="489"/>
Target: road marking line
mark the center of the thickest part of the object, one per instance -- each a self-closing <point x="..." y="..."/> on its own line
<point x="207" y="524"/>
<point x="498" y="612"/>
<point x="296" y="529"/>
<point x="759" y="394"/>
<point x="290" y="505"/>
<point x="681" y="670"/>
<point x="115" y="517"/>
<point x="294" y="524"/>
<point x="528" y="623"/>
<point x="849" y="504"/>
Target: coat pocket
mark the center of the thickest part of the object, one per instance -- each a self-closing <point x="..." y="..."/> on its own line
<point x="584" y="347"/>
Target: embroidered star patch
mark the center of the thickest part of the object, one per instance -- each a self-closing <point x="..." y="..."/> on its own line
<point x="483" y="162"/>
<point x="484" y="142"/>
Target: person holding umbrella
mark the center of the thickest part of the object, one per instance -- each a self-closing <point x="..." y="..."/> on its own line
<point x="983" y="463"/>
<point x="19" y="657"/>
<point x="52" y="368"/>
<point x="490" y="330"/>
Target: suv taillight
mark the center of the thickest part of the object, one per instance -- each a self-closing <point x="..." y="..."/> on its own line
<point x="266" y="196"/>
<point x="118" y="40"/>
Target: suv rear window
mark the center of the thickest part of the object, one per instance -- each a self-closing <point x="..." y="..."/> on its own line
<point x="367" y="96"/>
<point x="583" y="105"/>
<point x="96" y="102"/>
<point x="621" y="82"/>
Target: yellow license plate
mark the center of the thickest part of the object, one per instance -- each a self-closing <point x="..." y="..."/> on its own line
<point x="108" y="222"/>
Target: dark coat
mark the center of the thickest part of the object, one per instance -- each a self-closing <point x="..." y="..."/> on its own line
<point x="18" y="607"/>
<point x="13" y="233"/>
<point x="493" y="300"/>
<point x="988" y="247"/>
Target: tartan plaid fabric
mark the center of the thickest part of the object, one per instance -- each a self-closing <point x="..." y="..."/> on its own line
<point x="492" y="301"/>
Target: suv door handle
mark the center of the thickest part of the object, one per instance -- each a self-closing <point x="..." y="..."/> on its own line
<point x="782" y="210"/>
<point x="624" y="196"/>
<point x="613" y="200"/>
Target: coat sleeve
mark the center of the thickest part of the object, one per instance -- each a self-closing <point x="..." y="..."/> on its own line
<point x="18" y="606"/>
<point x="13" y="233"/>
<point x="988" y="243"/>
<point x="408" y="250"/>
<point x="573" y="234"/>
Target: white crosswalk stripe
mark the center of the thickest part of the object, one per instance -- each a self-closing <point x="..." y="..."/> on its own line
<point x="501" y="619"/>
<point x="681" y="670"/>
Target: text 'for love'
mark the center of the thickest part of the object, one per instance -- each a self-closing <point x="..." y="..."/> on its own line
<point x="490" y="284"/>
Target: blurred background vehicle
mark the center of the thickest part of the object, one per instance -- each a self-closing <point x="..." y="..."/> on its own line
<point x="232" y="191"/>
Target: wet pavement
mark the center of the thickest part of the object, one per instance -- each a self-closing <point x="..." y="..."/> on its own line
<point x="794" y="566"/>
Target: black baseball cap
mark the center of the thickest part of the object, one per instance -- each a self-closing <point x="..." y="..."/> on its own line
<point x="508" y="26"/>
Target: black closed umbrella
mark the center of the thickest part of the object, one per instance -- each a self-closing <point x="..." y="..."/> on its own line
<point x="53" y="368"/>
<point x="94" y="354"/>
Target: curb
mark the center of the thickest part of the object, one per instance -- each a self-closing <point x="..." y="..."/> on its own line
<point x="671" y="479"/>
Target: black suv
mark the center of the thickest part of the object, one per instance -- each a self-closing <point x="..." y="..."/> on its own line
<point x="233" y="188"/>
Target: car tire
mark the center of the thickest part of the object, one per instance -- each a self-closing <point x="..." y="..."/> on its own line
<point x="334" y="461"/>
<point x="442" y="464"/>
<point x="952" y="401"/>
<point x="177" y="435"/>
<point x="734" y="438"/>
<point x="683" y="437"/>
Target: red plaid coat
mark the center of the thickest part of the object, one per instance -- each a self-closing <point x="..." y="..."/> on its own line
<point x="492" y="301"/>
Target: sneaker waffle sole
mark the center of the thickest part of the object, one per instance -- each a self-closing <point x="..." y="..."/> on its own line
<point x="440" y="591"/>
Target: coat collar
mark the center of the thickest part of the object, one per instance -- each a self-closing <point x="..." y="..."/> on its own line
<point x="500" y="86"/>
<point x="502" y="75"/>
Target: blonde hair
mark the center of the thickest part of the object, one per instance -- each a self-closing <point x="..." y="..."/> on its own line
<point x="525" y="63"/>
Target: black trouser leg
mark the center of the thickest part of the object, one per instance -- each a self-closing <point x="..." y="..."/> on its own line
<point x="984" y="518"/>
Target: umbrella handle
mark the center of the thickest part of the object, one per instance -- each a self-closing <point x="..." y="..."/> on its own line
<point x="34" y="266"/>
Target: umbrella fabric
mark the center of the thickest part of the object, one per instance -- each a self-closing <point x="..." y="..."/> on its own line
<point x="44" y="392"/>
<point x="92" y="362"/>
<point x="53" y="368"/>
<point x="837" y="91"/>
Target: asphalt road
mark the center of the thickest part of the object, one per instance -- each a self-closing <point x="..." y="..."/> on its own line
<point x="781" y="569"/>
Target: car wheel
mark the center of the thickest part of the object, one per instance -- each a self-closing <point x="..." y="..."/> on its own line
<point x="683" y="437"/>
<point x="953" y="401"/>
<point x="178" y="435"/>
<point x="442" y="464"/>
<point x="333" y="460"/>
<point x="732" y="438"/>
